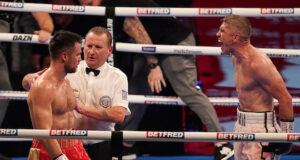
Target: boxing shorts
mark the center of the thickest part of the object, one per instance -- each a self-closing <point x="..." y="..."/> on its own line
<point x="254" y="122"/>
<point x="73" y="149"/>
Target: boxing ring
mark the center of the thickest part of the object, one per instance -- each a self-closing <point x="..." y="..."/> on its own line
<point x="149" y="136"/>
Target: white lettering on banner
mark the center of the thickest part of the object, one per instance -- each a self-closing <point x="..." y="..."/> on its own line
<point x="293" y="137"/>
<point x="68" y="8"/>
<point x="151" y="134"/>
<point x="8" y="132"/>
<point x="11" y="4"/>
<point x="277" y="10"/>
<point x="236" y="136"/>
<point x="153" y="11"/>
<point x="68" y="133"/>
<point x="215" y="11"/>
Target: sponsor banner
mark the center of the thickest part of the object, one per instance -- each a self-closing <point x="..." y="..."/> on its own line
<point x="161" y="102"/>
<point x="283" y="55"/>
<point x="68" y="132"/>
<point x="186" y="51"/>
<point x="12" y="4"/>
<point x="293" y="137"/>
<point x="9" y="132"/>
<point x="215" y="11"/>
<point x="148" y="49"/>
<point x="156" y="134"/>
<point x="153" y="11"/>
<point x="277" y="10"/>
<point x="22" y="37"/>
<point x="68" y="8"/>
<point x="236" y="136"/>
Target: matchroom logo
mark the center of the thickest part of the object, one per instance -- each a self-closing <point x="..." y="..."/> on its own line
<point x="148" y="49"/>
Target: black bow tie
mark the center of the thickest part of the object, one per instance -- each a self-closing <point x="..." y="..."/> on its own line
<point x="88" y="70"/>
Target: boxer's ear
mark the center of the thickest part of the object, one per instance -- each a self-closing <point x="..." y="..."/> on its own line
<point x="64" y="57"/>
<point x="236" y="37"/>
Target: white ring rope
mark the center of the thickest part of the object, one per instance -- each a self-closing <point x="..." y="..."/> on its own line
<point x="149" y="11"/>
<point x="144" y="99"/>
<point x="157" y="136"/>
<point x="155" y="49"/>
<point x="52" y="8"/>
<point x="15" y="139"/>
<point x="195" y="50"/>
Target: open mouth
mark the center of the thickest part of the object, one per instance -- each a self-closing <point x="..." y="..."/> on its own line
<point x="91" y="58"/>
<point x="220" y="41"/>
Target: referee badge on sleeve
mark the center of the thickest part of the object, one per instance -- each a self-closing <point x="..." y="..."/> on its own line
<point x="105" y="101"/>
<point x="124" y="95"/>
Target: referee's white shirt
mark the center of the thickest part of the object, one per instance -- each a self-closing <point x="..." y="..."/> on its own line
<point x="108" y="89"/>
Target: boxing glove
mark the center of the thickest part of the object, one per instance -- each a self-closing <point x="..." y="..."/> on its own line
<point x="278" y="148"/>
<point x="287" y="126"/>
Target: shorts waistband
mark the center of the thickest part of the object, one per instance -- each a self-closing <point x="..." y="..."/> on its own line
<point x="63" y="143"/>
<point x="258" y="119"/>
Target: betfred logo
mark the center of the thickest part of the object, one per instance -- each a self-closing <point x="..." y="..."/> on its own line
<point x="293" y="137"/>
<point x="277" y="10"/>
<point x="8" y="132"/>
<point x="215" y="11"/>
<point x="236" y="136"/>
<point x="153" y="11"/>
<point x="179" y="135"/>
<point x="68" y="133"/>
<point x="68" y="8"/>
<point x="11" y="4"/>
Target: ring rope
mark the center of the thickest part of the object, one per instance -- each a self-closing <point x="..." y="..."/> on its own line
<point x="158" y="136"/>
<point x="146" y="99"/>
<point x="195" y="50"/>
<point x="52" y="8"/>
<point x="157" y="49"/>
<point x="15" y="139"/>
<point x="149" y="11"/>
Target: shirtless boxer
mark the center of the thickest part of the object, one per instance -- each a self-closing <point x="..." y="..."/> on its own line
<point x="102" y="105"/>
<point x="51" y="100"/>
<point x="257" y="83"/>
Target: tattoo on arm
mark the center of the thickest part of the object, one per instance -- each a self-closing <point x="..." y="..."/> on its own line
<point x="134" y="28"/>
<point x="104" y="113"/>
